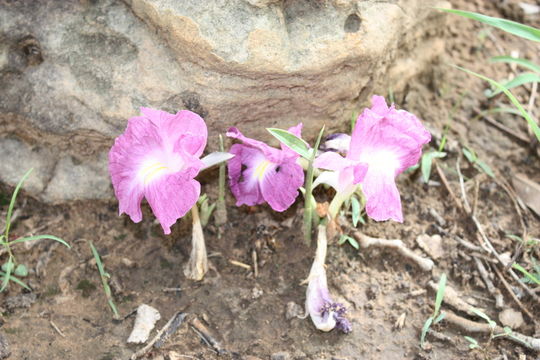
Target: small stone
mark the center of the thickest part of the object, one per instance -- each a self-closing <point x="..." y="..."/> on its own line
<point x="372" y="291"/>
<point x="511" y="318"/>
<point x="293" y="310"/>
<point x="145" y="321"/>
<point x="432" y="245"/>
<point x="282" y="355"/>
<point x="4" y="347"/>
<point x="256" y="293"/>
<point x="20" y="301"/>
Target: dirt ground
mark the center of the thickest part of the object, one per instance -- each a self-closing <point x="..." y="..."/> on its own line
<point x="66" y="315"/>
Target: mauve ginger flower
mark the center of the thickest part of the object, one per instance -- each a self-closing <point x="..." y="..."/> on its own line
<point x="260" y="173"/>
<point x="324" y="312"/>
<point x="384" y="143"/>
<point x="157" y="157"/>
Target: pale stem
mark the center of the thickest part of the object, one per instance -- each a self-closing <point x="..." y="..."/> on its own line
<point x="320" y="254"/>
<point x="198" y="262"/>
<point x="335" y="204"/>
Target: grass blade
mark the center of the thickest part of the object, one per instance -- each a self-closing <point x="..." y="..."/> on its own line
<point x="297" y="144"/>
<point x="7" y="274"/>
<point x="425" y="329"/>
<point x="512" y="27"/>
<point x="12" y="203"/>
<point x="440" y="293"/>
<point x="37" y="237"/>
<point x="15" y="280"/>
<point x="519" y="80"/>
<point x="104" y="276"/>
<point x="518" y="61"/>
<point x="517" y="104"/>
<point x="530" y="276"/>
<point x="308" y="196"/>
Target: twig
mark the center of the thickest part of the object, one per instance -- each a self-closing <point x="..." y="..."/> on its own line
<point x="466" y="204"/>
<point x="240" y="264"/>
<point x="57" y="329"/>
<point x="499" y="300"/>
<point x="453" y="298"/>
<point x="206" y="335"/>
<point x="255" y="263"/>
<point x="514" y="297"/>
<point x="447" y="186"/>
<point x="475" y="327"/>
<point x="365" y="241"/>
<point x="149" y="346"/>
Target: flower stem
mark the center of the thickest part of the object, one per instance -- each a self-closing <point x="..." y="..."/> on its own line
<point x="308" y="207"/>
<point x="197" y="266"/>
<point x="335" y="204"/>
<point x="220" y="215"/>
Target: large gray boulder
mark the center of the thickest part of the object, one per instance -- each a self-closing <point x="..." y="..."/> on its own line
<point x="72" y="72"/>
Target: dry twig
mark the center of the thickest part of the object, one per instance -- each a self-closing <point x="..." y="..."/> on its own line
<point x="499" y="300"/>
<point x="365" y="241"/>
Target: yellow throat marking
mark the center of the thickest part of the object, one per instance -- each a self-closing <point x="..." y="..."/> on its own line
<point x="152" y="170"/>
<point x="261" y="168"/>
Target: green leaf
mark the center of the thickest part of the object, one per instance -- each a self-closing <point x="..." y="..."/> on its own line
<point x="473" y="343"/>
<point x="21" y="270"/>
<point x="519" y="61"/>
<point x="355" y="204"/>
<point x="15" y="280"/>
<point x="481" y="314"/>
<point x="519" y="80"/>
<point x="427" y="160"/>
<point x="104" y="276"/>
<point x="296" y="144"/>
<point x="439" y="318"/>
<point x="440" y="293"/>
<point x="517" y="104"/>
<point x="425" y="329"/>
<point x="469" y="154"/>
<point x="342" y="239"/>
<point x="37" y="237"/>
<point x="515" y="28"/>
<point x="7" y="273"/>
<point x="12" y="202"/>
<point x="485" y="168"/>
<point x="530" y="276"/>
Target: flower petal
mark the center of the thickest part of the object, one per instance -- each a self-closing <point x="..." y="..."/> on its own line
<point x="171" y="197"/>
<point x="331" y="161"/>
<point x="274" y="155"/>
<point x="382" y="196"/>
<point x="242" y="177"/>
<point x="280" y="184"/>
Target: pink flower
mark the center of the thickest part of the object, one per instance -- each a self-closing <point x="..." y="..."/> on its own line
<point x="157" y="157"/>
<point x="260" y="173"/>
<point x="384" y="143"/>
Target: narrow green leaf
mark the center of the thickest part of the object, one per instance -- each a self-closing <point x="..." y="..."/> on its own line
<point x="439" y="318"/>
<point x="519" y="61"/>
<point x="104" y="276"/>
<point x="530" y="276"/>
<point x="342" y="239"/>
<point x="15" y="280"/>
<point x="12" y="202"/>
<point x="425" y="329"/>
<point x="485" y="168"/>
<point x="309" y="212"/>
<point x="481" y="314"/>
<point x="473" y="343"/>
<point x="426" y="162"/>
<point x="440" y="293"/>
<point x="37" y="237"/>
<point x="355" y="204"/>
<point x="7" y="273"/>
<point x="353" y="243"/>
<point x="296" y="144"/>
<point x="519" y="80"/>
<point x="515" y="28"/>
<point x="470" y="155"/>
<point x="517" y="104"/>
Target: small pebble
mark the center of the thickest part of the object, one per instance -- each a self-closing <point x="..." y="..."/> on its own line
<point x="511" y="318"/>
<point x="20" y="301"/>
<point x="293" y="310"/>
<point x="282" y="355"/>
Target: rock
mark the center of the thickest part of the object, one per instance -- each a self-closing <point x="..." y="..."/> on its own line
<point x="145" y="321"/>
<point x="72" y="73"/>
<point x="528" y="191"/>
<point x="432" y="245"/>
<point x="20" y="301"/>
<point x="511" y="318"/>
<point x="282" y="355"/>
<point x="293" y="310"/>
<point x="4" y="347"/>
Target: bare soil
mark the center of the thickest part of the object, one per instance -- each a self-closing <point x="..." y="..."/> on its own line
<point x="247" y="314"/>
